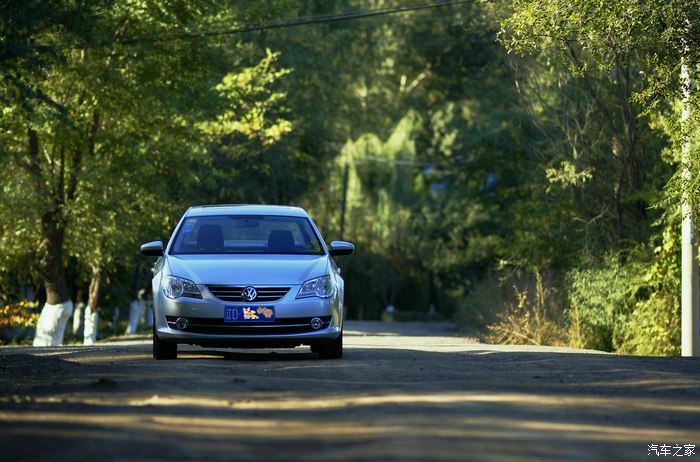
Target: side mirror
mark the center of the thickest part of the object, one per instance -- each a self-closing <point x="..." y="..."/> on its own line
<point x="152" y="249"/>
<point x="340" y="248"/>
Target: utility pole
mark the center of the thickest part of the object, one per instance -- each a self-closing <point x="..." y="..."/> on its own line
<point x="690" y="284"/>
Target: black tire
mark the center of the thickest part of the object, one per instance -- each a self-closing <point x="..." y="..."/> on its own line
<point x="331" y="350"/>
<point x="162" y="349"/>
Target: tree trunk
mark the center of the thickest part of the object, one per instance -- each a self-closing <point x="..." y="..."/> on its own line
<point x="78" y="313"/>
<point x="148" y="314"/>
<point x="78" y="318"/>
<point x="90" y="329"/>
<point x="137" y="304"/>
<point x="51" y="326"/>
<point x="91" y="317"/>
<point x="135" y="315"/>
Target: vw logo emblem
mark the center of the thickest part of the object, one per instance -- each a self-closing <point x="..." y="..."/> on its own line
<point x="249" y="294"/>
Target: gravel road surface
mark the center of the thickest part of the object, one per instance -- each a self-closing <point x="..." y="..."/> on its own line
<point x="403" y="392"/>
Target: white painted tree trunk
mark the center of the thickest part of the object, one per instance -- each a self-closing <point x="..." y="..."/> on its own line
<point x="51" y="326"/>
<point x="148" y="316"/>
<point x="90" y="332"/>
<point x="134" y="316"/>
<point x="78" y="317"/>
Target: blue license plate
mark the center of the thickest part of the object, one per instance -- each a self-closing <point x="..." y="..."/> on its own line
<point x="255" y="313"/>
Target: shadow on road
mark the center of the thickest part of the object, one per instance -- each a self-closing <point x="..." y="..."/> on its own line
<point x="255" y="356"/>
<point x="377" y="403"/>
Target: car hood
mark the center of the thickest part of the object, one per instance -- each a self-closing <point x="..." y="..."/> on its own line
<point x="248" y="269"/>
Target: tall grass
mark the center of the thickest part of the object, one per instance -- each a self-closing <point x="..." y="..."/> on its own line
<point x="534" y="318"/>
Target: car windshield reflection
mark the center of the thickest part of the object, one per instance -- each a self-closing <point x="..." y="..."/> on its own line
<point x="256" y="234"/>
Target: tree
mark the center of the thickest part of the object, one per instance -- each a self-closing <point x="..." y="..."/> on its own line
<point x="651" y="42"/>
<point x="27" y="53"/>
<point x="129" y="107"/>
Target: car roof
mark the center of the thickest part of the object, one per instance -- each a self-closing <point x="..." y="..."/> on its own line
<point x="245" y="209"/>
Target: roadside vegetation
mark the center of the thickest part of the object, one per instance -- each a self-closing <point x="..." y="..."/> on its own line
<point x="511" y="165"/>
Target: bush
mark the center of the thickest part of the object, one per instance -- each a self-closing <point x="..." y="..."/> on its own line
<point x="602" y="295"/>
<point x="630" y="302"/>
<point x="534" y="319"/>
<point x="481" y="307"/>
<point x="17" y="321"/>
<point x="627" y="302"/>
<point x="654" y="326"/>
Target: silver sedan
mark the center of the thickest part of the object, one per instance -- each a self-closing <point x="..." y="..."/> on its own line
<point x="247" y="276"/>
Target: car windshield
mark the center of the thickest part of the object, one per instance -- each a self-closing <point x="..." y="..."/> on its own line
<point x="238" y="234"/>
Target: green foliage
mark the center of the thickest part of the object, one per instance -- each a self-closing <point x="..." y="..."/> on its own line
<point x="600" y="71"/>
<point x="34" y="36"/>
<point x="604" y="294"/>
<point x="648" y="41"/>
<point x="481" y="307"/>
<point x="466" y="165"/>
<point x="249" y="98"/>
<point x="112" y="172"/>
<point x="654" y="327"/>
<point x="631" y="303"/>
<point x="381" y="194"/>
<point x="245" y="161"/>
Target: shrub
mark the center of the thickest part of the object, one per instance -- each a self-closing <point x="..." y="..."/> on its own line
<point x="654" y="326"/>
<point x="481" y="307"/>
<point x="534" y="318"/>
<point x="602" y="295"/>
<point x="18" y="320"/>
<point x="630" y="302"/>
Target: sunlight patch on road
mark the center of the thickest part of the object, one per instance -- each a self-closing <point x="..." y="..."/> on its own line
<point x="296" y="402"/>
<point x="408" y="426"/>
<point x="338" y="402"/>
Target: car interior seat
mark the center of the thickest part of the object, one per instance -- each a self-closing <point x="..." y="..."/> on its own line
<point x="210" y="238"/>
<point x="280" y="241"/>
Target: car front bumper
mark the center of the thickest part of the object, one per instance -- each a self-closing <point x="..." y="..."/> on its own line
<point x="205" y="322"/>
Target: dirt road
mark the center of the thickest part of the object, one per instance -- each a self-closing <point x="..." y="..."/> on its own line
<point x="402" y="392"/>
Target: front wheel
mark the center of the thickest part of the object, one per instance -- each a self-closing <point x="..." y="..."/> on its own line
<point x="162" y="349"/>
<point x="331" y="350"/>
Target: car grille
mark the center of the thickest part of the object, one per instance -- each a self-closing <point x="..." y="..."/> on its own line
<point x="234" y="293"/>
<point x="217" y="326"/>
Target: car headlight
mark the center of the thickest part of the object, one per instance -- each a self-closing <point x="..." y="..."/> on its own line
<point x="319" y="287"/>
<point x="175" y="287"/>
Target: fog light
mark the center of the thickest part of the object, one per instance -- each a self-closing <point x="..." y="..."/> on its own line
<point x="316" y="323"/>
<point x="182" y="323"/>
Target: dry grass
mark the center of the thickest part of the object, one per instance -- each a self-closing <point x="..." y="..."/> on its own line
<point x="533" y="319"/>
